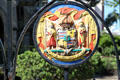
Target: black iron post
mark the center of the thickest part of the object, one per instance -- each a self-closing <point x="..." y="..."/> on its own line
<point x="9" y="38"/>
<point x="66" y="74"/>
<point x="4" y="59"/>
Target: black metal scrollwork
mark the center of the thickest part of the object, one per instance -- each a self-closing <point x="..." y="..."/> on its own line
<point x="35" y="16"/>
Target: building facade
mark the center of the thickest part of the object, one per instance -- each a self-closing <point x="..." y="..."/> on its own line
<point x="14" y="14"/>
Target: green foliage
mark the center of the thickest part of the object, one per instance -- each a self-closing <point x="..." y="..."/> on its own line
<point x="105" y="40"/>
<point x="115" y="15"/>
<point x="111" y="18"/>
<point x="103" y="64"/>
<point x="95" y="59"/>
<point x="97" y="63"/>
<point x="113" y="3"/>
<point x="117" y="40"/>
<point x="83" y="72"/>
<point x="30" y="66"/>
<point x="106" y="45"/>
<point x="108" y="51"/>
<point x="109" y="63"/>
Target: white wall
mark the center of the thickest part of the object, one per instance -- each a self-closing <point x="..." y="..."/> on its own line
<point x="99" y="8"/>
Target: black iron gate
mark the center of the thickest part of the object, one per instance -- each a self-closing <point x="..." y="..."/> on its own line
<point x="27" y="26"/>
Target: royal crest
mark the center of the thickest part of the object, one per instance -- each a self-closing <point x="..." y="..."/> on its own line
<point x="66" y="33"/>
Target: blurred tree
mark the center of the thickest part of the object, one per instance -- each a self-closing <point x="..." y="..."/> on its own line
<point x="115" y="15"/>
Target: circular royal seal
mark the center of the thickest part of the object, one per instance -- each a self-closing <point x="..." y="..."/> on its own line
<point x="66" y="34"/>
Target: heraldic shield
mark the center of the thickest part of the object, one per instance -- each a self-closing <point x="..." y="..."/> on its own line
<point x="66" y="34"/>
